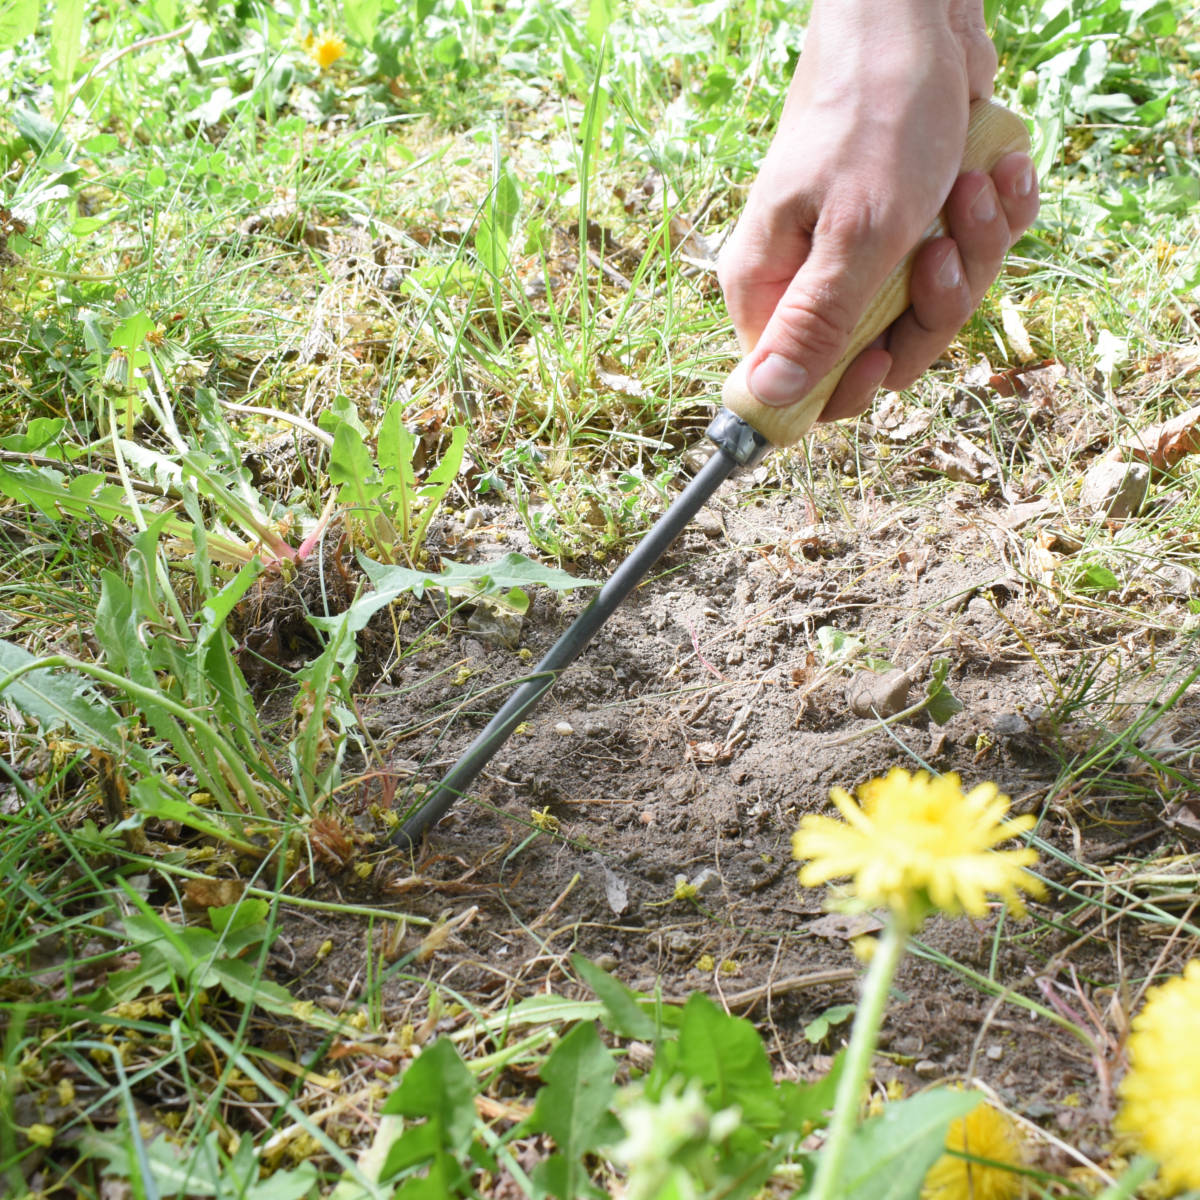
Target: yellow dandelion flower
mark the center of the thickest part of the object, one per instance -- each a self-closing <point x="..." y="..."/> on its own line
<point x="1160" y="1096"/>
<point x="325" y="50"/>
<point x="985" y="1132"/>
<point x="911" y="840"/>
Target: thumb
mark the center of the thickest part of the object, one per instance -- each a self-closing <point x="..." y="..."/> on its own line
<point x="811" y="330"/>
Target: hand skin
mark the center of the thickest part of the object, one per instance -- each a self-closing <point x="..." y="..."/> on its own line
<point x="866" y="155"/>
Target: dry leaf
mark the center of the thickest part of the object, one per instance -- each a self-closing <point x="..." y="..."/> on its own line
<point x="691" y="244"/>
<point x="1014" y="331"/>
<point x="1043" y="562"/>
<point x="439" y="935"/>
<point x="1033" y="381"/>
<point x="844" y="927"/>
<point x="212" y="893"/>
<point x="1174" y="364"/>
<point x="1162" y="446"/>
<point x="1021" y="514"/>
<point x="625" y="385"/>
<point x="914" y="561"/>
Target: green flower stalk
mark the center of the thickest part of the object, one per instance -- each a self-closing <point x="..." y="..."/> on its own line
<point x="912" y="844"/>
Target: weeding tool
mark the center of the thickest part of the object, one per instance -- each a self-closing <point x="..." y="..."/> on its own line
<point x="742" y="432"/>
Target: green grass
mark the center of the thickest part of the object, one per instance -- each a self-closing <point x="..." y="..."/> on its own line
<point x="466" y="221"/>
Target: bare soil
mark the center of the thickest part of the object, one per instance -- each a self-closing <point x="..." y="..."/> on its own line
<point x="703" y="722"/>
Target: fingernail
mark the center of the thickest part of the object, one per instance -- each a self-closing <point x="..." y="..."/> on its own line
<point x="778" y="381"/>
<point x="1023" y="184"/>
<point x="949" y="274"/>
<point x="984" y="208"/>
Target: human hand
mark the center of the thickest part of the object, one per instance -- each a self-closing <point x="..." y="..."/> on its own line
<point x="866" y="154"/>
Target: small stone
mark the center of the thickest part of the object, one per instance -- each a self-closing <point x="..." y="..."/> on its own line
<point x="707" y="881"/>
<point x="928" y="1069"/>
<point x="873" y="695"/>
<point x="995" y="1052"/>
<point x="564" y="728"/>
<point x="682" y="945"/>
<point x="1115" y="489"/>
<point x="471" y="518"/>
<point x="606" y="962"/>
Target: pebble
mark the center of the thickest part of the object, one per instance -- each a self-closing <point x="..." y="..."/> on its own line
<point x="870" y="694"/>
<point x="707" y="881"/>
<point x="682" y="944"/>
<point x="1115" y="489"/>
<point x="606" y="962"/>
<point x="928" y="1069"/>
<point x="995" y="1052"/>
<point x="565" y="728"/>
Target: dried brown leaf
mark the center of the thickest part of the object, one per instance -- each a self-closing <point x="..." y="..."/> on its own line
<point x="1163" y="445"/>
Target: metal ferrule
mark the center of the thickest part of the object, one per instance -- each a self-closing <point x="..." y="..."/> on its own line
<point x="739" y="439"/>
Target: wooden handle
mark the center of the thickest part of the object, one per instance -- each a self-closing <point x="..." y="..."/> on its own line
<point x="992" y="133"/>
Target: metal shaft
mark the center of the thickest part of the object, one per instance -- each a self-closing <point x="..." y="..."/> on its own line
<point x="737" y="445"/>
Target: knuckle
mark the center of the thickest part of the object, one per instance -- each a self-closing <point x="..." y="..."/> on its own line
<point x="814" y="325"/>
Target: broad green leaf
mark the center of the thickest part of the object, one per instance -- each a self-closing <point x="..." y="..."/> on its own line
<point x="573" y="1108"/>
<point x="438" y="1087"/>
<point x="837" y="646"/>
<point x="806" y="1104"/>
<point x="395" y="447"/>
<point x="131" y="332"/>
<point x="817" y="1031"/>
<point x="622" y="1013"/>
<point x="891" y="1154"/>
<point x="726" y="1055"/>
<point x="196" y="1170"/>
<point x="40" y="433"/>
<point x="362" y="18"/>
<point x="437" y="484"/>
<point x="350" y="466"/>
<point x="40" y="133"/>
<point x="600" y="17"/>
<point x="1097" y="578"/>
<point x="18" y="19"/>
<point x="496" y="222"/>
<point x="942" y="703"/>
<point x="65" y="29"/>
<point x="150" y="799"/>
<point x="55" y="698"/>
<point x="533" y="1010"/>
<point x="512" y="571"/>
<point x="229" y="918"/>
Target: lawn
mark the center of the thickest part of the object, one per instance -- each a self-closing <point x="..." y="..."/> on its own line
<point x="344" y="350"/>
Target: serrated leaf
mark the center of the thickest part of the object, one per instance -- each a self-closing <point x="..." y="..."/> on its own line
<point x="440" y="1089"/>
<point x="726" y="1055"/>
<point x="57" y="698"/>
<point x="198" y="1170"/>
<point x="623" y="1015"/>
<point x="806" y="1104"/>
<point x="573" y="1108"/>
<point x="891" y="1154"/>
